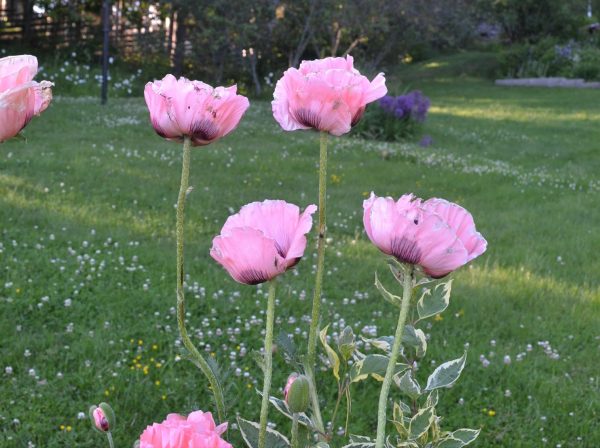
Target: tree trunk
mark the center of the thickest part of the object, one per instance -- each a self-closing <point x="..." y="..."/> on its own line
<point x="180" y="36"/>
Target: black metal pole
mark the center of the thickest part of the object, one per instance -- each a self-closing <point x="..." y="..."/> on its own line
<point x="106" y="35"/>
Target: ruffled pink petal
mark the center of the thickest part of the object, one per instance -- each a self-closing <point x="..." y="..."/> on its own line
<point x="16" y="70"/>
<point x="278" y="220"/>
<point x="248" y="255"/>
<point x="290" y="83"/>
<point x="380" y="219"/>
<point x="298" y="244"/>
<point x="157" y="102"/>
<point x="461" y="222"/>
<point x="441" y="250"/>
<point x="17" y="107"/>
<point x="377" y="89"/>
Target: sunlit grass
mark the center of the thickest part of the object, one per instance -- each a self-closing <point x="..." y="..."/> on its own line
<point x="87" y="257"/>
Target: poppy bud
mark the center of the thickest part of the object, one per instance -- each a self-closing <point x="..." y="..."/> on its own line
<point x="102" y="417"/>
<point x="297" y="394"/>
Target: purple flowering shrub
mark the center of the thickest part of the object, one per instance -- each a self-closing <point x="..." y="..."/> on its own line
<point x="395" y="117"/>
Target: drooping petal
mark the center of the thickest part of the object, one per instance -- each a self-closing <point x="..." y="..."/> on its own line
<point x="158" y="106"/>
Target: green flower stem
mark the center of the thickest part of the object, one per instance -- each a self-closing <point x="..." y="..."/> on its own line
<point x="316" y="305"/>
<point x="295" y="430"/>
<point x="110" y="440"/>
<point x="268" y="366"/>
<point x="197" y="358"/>
<point x="385" y="388"/>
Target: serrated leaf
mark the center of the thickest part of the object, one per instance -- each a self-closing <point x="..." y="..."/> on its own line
<point x="346" y="343"/>
<point x="459" y="438"/>
<point x="250" y="431"/>
<point x="398" y="421"/>
<point x="446" y="374"/>
<point x="434" y="301"/>
<point x="415" y="338"/>
<point x="282" y="407"/>
<point x="432" y="398"/>
<point x="360" y="439"/>
<point x="382" y="343"/>
<point x="408" y="385"/>
<point x="420" y="423"/>
<point x="334" y="359"/>
<point x="374" y="365"/>
<point x="360" y="445"/>
<point x="287" y="345"/>
<point x="259" y="359"/>
<point x="388" y="296"/>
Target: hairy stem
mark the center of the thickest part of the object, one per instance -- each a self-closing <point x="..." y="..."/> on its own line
<point x="197" y="358"/>
<point x="268" y="366"/>
<point x="295" y="431"/>
<point x="111" y="444"/>
<point x="385" y="388"/>
<point x="316" y="305"/>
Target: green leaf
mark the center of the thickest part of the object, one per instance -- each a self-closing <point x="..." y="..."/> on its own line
<point x="408" y="385"/>
<point x="250" y="431"/>
<point x="398" y="421"/>
<point x="360" y="445"/>
<point x="287" y="345"/>
<point x="334" y="359"/>
<point x="360" y="439"/>
<point x="394" y="300"/>
<point x="259" y="359"/>
<point x="346" y="343"/>
<point x="420" y="423"/>
<point x="415" y="338"/>
<point x="446" y="374"/>
<point x="282" y="407"/>
<point x="432" y="398"/>
<point x="459" y="438"/>
<point x="382" y="343"/>
<point x="374" y="365"/>
<point x="434" y="301"/>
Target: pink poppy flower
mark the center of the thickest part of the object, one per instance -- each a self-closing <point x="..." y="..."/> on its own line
<point x="20" y="97"/>
<point x="436" y="235"/>
<point x="263" y="240"/>
<point x="100" y="420"/>
<point x="180" y="107"/>
<point x="326" y="94"/>
<point x="198" y="430"/>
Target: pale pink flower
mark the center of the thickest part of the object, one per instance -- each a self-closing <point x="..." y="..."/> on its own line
<point x="198" y="430"/>
<point x="326" y="94"/>
<point x="180" y="107"/>
<point x="263" y="240"/>
<point x="436" y="235"/>
<point x="20" y="97"/>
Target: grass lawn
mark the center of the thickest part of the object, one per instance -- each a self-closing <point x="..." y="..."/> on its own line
<point x="87" y="258"/>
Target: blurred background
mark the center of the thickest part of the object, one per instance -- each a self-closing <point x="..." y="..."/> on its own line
<point x="252" y="41"/>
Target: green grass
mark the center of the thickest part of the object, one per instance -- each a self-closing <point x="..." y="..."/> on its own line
<point x="87" y="214"/>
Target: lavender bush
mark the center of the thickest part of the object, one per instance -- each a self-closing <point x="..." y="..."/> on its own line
<point x="396" y="118"/>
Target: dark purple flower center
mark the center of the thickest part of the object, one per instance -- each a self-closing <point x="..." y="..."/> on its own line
<point x="307" y="118"/>
<point x="253" y="277"/>
<point x="204" y="130"/>
<point x="406" y="250"/>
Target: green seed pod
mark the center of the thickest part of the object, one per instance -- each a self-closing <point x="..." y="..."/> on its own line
<point x="298" y="395"/>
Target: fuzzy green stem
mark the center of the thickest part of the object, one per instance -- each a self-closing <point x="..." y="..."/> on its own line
<point x="316" y="305"/>
<point x="111" y="444"/>
<point x="295" y="441"/>
<point x="268" y="366"/>
<point x="197" y="358"/>
<point x="385" y="388"/>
